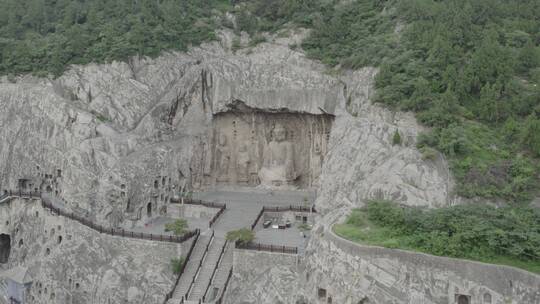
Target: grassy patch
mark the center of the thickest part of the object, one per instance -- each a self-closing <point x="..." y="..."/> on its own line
<point x="506" y="236"/>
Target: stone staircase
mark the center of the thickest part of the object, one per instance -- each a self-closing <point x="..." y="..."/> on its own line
<point x="220" y="277"/>
<point x="206" y="272"/>
<point x="186" y="282"/>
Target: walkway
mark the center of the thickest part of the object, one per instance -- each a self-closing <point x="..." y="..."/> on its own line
<point x="243" y="207"/>
<point x="208" y="270"/>
<point x="60" y="209"/>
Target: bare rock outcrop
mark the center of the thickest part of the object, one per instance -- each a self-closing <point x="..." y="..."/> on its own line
<point x="113" y="140"/>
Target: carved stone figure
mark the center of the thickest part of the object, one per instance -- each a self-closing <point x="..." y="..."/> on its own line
<point x="316" y="161"/>
<point x="278" y="160"/>
<point x="223" y="157"/>
<point x="242" y="164"/>
<point x="207" y="170"/>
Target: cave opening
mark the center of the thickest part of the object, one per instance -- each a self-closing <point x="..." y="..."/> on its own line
<point x="5" y="247"/>
<point x="463" y="299"/>
<point x="149" y="210"/>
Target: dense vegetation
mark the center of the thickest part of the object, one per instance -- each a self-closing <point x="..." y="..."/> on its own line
<point x="44" y="36"/>
<point x="497" y="235"/>
<point x="470" y="69"/>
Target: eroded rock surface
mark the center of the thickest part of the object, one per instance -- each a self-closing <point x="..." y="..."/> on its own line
<point x="71" y="263"/>
<point x="118" y="141"/>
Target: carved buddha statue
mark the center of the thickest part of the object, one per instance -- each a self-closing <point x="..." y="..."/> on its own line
<point x="278" y="160"/>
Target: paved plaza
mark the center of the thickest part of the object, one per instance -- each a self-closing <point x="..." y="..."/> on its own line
<point x="244" y="206"/>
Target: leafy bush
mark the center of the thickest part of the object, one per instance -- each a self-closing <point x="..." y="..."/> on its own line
<point x="396" y="138"/>
<point x="243" y="236"/>
<point x="178" y="227"/>
<point x="177" y="264"/>
<point x="479" y="231"/>
<point x="428" y="153"/>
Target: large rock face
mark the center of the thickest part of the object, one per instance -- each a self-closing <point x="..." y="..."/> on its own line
<point x="109" y="139"/>
<point x="71" y="263"/>
<point x="116" y="140"/>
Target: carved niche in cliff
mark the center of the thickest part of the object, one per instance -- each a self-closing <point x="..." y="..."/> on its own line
<point x="274" y="150"/>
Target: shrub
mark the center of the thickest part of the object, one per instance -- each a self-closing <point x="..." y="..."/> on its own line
<point x="396" y="139"/>
<point x="428" y="153"/>
<point x="243" y="236"/>
<point x="178" y="227"/>
<point x="236" y="45"/>
<point x="177" y="264"/>
<point x="256" y="39"/>
<point x="385" y="213"/>
<point x="475" y="231"/>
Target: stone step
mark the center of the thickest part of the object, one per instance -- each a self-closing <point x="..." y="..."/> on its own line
<point x="207" y="269"/>
<point x="191" y="267"/>
<point x="221" y="274"/>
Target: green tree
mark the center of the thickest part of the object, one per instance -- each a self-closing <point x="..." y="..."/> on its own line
<point x="529" y="57"/>
<point x="531" y="134"/>
<point x="243" y="236"/>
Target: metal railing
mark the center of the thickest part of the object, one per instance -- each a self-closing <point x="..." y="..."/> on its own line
<point x="281" y="209"/>
<point x="102" y="229"/>
<point x="268" y="248"/>
<point x="213" y="220"/>
<point x="191" y="201"/>
<point x="199" y="266"/>
<point x="220" y="300"/>
<point x="290" y="208"/>
<point x="169" y="295"/>
<point x="217" y="215"/>
<point x="121" y="232"/>
<point x="220" y="258"/>
<point x="257" y="219"/>
<point x="20" y="193"/>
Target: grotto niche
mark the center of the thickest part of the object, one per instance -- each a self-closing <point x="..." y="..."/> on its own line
<point x="262" y="149"/>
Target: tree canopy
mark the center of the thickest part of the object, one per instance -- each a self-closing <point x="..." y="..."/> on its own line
<point x="45" y="36"/>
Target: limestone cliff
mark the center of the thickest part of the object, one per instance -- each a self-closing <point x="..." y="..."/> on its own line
<point x="116" y="140"/>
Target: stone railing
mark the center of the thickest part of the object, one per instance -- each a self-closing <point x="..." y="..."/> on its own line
<point x="268" y="248"/>
<point x="99" y="228"/>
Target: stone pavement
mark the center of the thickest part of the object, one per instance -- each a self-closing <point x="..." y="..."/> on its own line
<point x="244" y="206"/>
<point x="210" y="263"/>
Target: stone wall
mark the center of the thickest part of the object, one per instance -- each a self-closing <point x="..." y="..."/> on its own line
<point x="71" y="263"/>
<point x="351" y="273"/>
<point x="196" y="211"/>
<point x="262" y="278"/>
